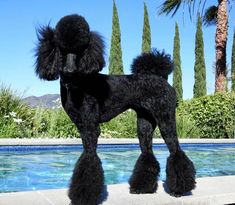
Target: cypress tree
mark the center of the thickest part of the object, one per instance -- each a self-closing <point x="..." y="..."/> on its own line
<point x="115" y="58"/>
<point x="146" y="36"/>
<point x="233" y="63"/>
<point x="177" y="75"/>
<point x="199" y="88"/>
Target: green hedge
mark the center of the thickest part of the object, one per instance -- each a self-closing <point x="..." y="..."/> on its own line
<point x="124" y="125"/>
<point x="17" y="120"/>
<point x="205" y="117"/>
<point x="53" y="123"/>
<point x="212" y="115"/>
<point x="15" y="117"/>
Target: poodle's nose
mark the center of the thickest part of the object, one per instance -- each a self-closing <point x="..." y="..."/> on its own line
<point x="70" y="66"/>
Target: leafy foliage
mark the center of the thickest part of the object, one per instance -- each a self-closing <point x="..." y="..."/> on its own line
<point x="53" y="123"/>
<point x="233" y="64"/>
<point x="177" y="73"/>
<point x="61" y="125"/>
<point x="186" y="126"/>
<point x="124" y="125"/>
<point x="115" y="58"/>
<point x="210" y="15"/>
<point x="205" y="117"/>
<point x="199" y="88"/>
<point x="14" y="115"/>
<point x="213" y="115"/>
<point x="146" y="36"/>
<point x="19" y="120"/>
<point x="169" y="5"/>
<point x="213" y="14"/>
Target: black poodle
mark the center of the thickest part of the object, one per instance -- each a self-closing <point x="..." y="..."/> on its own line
<point x="75" y="54"/>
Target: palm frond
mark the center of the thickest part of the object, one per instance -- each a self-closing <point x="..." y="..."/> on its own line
<point x="203" y="6"/>
<point x="170" y="6"/>
<point x="230" y="4"/>
<point x="210" y="16"/>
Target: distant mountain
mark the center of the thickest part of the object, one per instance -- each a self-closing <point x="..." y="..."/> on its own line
<point x="46" y="101"/>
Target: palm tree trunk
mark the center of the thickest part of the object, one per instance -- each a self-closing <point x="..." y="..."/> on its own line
<point x="221" y="41"/>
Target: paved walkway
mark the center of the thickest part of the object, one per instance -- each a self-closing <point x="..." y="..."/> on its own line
<point x="209" y="191"/>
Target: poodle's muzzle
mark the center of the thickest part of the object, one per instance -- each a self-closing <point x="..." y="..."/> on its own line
<point x="70" y="66"/>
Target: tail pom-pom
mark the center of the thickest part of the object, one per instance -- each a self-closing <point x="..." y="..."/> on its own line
<point x="153" y="63"/>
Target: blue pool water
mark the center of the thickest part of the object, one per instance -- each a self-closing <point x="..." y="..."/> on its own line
<point x="25" y="168"/>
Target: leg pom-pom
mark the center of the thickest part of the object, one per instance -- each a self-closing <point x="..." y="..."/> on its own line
<point x="145" y="175"/>
<point x="87" y="181"/>
<point x="180" y="173"/>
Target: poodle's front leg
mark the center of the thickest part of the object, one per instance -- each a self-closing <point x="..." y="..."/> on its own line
<point x="88" y="179"/>
<point x="145" y="174"/>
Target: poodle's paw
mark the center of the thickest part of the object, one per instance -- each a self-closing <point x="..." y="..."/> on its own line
<point x="145" y="175"/>
<point x="147" y="189"/>
<point x="180" y="174"/>
<point x="87" y="181"/>
<point x="174" y="194"/>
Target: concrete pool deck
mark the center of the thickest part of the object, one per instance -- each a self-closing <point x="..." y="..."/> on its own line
<point x="51" y="141"/>
<point x="209" y="191"/>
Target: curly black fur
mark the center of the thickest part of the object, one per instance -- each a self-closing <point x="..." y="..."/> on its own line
<point x="72" y="33"/>
<point x="89" y="179"/>
<point x="90" y="98"/>
<point x="92" y="60"/>
<point x="180" y="173"/>
<point x="153" y="63"/>
<point x="48" y="58"/>
<point x="145" y="175"/>
<point x="71" y="36"/>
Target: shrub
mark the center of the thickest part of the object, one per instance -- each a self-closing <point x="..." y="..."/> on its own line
<point x="15" y="116"/>
<point x="186" y="127"/>
<point x="214" y="115"/>
<point x="52" y="123"/>
<point x="40" y="122"/>
<point x="206" y="117"/>
<point x="124" y="125"/>
<point x="60" y="124"/>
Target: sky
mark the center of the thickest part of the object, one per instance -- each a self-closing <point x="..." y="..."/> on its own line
<point x="19" y="20"/>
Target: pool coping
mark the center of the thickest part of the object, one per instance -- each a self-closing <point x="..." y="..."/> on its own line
<point x="78" y="141"/>
<point x="209" y="191"/>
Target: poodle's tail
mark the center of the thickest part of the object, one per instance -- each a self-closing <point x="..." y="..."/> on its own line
<point x="153" y="63"/>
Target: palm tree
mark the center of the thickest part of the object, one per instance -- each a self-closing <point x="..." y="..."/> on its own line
<point x="214" y="14"/>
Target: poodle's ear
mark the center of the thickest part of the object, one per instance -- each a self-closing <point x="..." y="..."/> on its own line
<point x="47" y="55"/>
<point x="92" y="60"/>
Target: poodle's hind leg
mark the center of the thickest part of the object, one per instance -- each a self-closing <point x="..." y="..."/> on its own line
<point x="146" y="171"/>
<point x="87" y="181"/>
<point x="180" y="171"/>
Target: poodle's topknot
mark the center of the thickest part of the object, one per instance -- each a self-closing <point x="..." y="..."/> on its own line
<point x="72" y="33"/>
<point x="153" y="63"/>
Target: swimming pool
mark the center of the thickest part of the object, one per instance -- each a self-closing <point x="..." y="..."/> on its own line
<point x="24" y="168"/>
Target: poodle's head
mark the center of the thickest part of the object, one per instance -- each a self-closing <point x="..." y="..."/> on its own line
<point x="72" y="34"/>
<point x="69" y="48"/>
